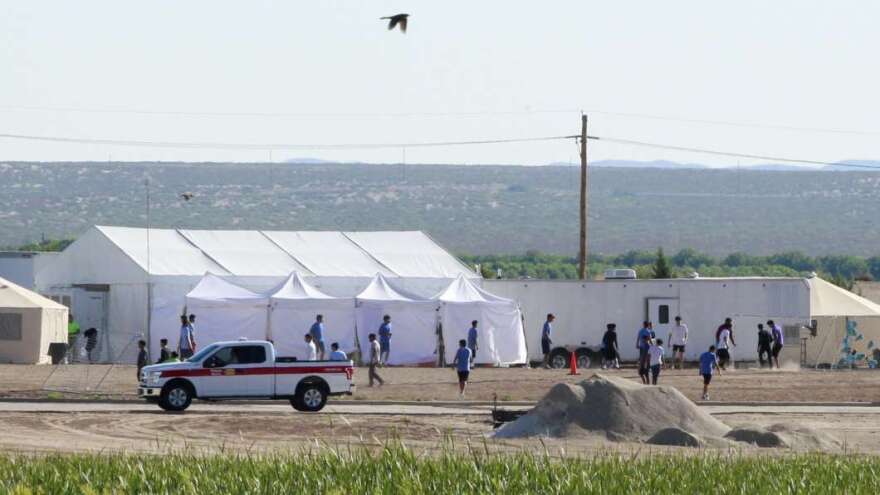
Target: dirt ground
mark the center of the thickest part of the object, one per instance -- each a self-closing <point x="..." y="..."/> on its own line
<point x="199" y="431"/>
<point x="513" y="384"/>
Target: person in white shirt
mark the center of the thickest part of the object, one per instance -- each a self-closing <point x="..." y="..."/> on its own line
<point x="678" y="337"/>
<point x="655" y="357"/>
<point x="375" y="352"/>
<point x="336" y="354"/>
<point x="725" y="341"/>
<point x="312" y="349"/>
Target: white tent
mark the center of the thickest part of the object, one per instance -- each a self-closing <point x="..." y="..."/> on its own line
<point x="132" y="282"/>
<point x="500" y="331"/>
<point x="29" y="322"/>
<point x="293" y="307"/>
<point x="225" y="311"/>
<point x="413" y="322"/>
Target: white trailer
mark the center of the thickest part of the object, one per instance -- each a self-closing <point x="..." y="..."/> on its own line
<point x="583" y="308"/>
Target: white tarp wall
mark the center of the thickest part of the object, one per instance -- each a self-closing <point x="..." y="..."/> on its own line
<point x="500" y="337"/>
<point x="293" y="308"/>
<point x="225" y="311"/>
<point x="584" y="308"/>
<point x="414" y="323"/>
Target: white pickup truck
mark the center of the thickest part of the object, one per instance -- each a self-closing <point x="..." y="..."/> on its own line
<point x="246" y="369"/>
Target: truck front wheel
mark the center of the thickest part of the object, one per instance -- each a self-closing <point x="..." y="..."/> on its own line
<point x="309" y="398"/>
<point x="176" y="397"/>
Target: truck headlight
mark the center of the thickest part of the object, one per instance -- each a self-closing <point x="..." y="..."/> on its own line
<point x="153" y="376"/>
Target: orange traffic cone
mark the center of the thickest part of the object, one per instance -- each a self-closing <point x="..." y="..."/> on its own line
<point x="573" y="364"/>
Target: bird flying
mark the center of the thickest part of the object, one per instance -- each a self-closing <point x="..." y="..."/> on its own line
<point x="395" y="20"/>
<point x="187" y="196"/>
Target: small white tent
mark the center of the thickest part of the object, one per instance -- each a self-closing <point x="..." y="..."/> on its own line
<point x="500" y="331"/>
<point x="293" y="307"/>
<point x="29" y="322"/>
<point x="225" y="311"/>
<point x="413" y="322"/>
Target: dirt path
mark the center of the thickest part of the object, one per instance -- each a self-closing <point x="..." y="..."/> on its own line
<point x="508" y="384"/>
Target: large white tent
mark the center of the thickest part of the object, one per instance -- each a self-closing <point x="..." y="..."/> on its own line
<point x="501" y="339"/>
<point x="132" y="282"/>
<point x="29" y="322"/>
<point x="414" y="322"/>
<point x="293" y="308"/>
<point x="225" y="311"/>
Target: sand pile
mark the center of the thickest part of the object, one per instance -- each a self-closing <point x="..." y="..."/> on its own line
<point x="779" y="435"/>
<point x="616" y="408"/>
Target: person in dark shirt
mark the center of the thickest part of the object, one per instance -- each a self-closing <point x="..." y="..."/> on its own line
<point x="164" y="355"/>
<point x="91" y="342"/>
<point x="609" y="347"/>
<point x="143" y="358"/>
<point x="764" y="340"/>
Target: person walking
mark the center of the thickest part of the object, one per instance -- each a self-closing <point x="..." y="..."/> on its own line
<point x="778" y="340"/>
<point x="385" y="339"/>
<point x="655" y="357"/>
<point x="678" y="336"/>
<point x="336" y="354"/>
<point x="192" y="322"/>
<point x="472" y="340"/>
<point x="91" y="335"/>
<point x="546" y="338"/>
<point x="186" y="345"/>
<point x="643" y="342"/>
<point x="164" y="354"/>
<point x="462" y="364"/>
<point x="311" y="350"/>
<point x="764" y="341"/>
<point x="317" y="333"/>
<point x="143" y="359"/>
<point x="610" y="354"/>
<point x="72" y="338"/>
<point x="724" y="342"/>
<point x="375" y="353"/>
<point x="708" y="366"/>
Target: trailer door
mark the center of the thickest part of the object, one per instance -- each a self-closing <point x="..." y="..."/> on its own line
<point x="662" y="313"/>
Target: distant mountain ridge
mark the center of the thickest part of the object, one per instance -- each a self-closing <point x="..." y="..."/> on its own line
<point x="857" y="165"/>
<point x="469" y="209"/>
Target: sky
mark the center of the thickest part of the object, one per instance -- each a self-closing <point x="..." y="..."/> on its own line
<point x="328" y="72"/>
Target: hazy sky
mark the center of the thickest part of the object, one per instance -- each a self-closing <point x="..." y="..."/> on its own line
<point x="465" y="70"/>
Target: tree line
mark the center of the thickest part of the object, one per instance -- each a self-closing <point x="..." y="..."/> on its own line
<point x="841" y="269"/>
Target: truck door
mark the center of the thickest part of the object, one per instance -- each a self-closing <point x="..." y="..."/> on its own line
<point x="237" y="371"/>
<point x="662" y="313"/>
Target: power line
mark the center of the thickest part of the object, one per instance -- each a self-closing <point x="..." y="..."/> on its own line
<point x="274" y="146"/>
<point x="283" y="115"/>
<point x="736" y="124"/>
<point x="729" y="153"/>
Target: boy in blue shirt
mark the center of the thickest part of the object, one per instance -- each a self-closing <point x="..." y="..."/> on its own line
<point x="385" y="339"/>
<point x="708" y="365"/>
<point x="317" y="333"/>
<point x="462" y="364"/>
<point x="472" y="340"/>
<point x="336" y="354"/>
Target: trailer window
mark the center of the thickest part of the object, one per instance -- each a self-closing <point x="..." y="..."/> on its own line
<point x="663" y="316"/>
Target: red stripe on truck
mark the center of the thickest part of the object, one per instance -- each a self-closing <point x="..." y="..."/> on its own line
<point x="291" y="370"/>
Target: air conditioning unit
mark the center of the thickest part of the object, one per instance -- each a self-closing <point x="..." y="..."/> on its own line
<point x="620" y="274"/>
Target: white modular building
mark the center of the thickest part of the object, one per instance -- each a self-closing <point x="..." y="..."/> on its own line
<point x="131" y="283"/>
<point x="811" y="311"/>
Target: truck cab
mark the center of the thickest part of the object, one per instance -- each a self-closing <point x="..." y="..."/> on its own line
<point x="241" y="370"/>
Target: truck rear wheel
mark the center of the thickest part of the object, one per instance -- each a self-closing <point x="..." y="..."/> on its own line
<point x="176" y="397"/>
<point x="309" y="398"/>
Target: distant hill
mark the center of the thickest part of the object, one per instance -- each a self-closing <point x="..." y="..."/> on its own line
<point x="469" y="209"/>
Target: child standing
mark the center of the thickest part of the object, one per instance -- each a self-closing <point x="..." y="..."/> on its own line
<point x="164" y="355"/>
<point x="655" y="355"/>
<point x="143" y="358"/>
<point x="708" y="365"/>
<point x="462" y="364"/>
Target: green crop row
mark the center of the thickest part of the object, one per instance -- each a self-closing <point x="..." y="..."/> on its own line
<point x="396" y="469"/>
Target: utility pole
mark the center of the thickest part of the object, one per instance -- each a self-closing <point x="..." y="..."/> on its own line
<point x="582" y="254"/>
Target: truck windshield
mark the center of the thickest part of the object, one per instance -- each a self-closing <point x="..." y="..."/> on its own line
<point x="201" y="354"/>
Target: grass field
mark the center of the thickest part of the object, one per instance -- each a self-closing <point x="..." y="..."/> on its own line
<point x="396" y="469"/>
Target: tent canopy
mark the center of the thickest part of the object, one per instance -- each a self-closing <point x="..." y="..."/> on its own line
<point x="827" y="299"/>
<point x="294" y="288"/>
<point x="380" y="290"/>
<point x="16" y="296"/>
<point x="213" y="289"/>
<point x="461" y="290"/>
